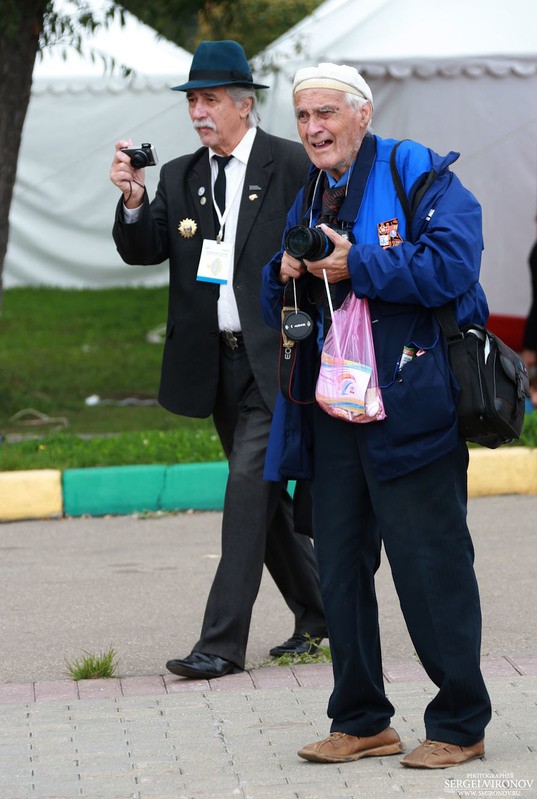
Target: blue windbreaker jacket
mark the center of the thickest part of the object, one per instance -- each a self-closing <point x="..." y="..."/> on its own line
<point x="438" y="262"/>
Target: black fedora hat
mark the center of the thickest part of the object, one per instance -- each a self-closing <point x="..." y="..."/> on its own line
<point x="219" y="64"/>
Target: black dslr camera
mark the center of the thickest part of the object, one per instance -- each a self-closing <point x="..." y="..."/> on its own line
<point x="310" y="243"/>
<point x="145" y="155"/>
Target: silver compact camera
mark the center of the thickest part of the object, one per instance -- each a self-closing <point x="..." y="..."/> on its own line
<point x="142" y="156"/>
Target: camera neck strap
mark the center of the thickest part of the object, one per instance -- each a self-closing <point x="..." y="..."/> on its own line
<point x="354" y="190"/>
<point x="347" y="214"/>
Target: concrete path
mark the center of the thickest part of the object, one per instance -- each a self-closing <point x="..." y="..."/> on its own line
<point x="140" y="584"/>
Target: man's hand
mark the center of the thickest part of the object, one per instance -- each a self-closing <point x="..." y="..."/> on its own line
<point x="291" y="268"/>
<point x="128" y="180"/>
<point x="335" y="264"/>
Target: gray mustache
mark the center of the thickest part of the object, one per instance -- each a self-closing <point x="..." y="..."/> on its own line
<point x="205" y="123"/>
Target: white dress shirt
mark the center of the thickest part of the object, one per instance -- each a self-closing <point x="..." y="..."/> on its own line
<point x="228" y="313"/>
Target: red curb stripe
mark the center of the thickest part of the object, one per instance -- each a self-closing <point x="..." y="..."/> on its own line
<point x="303" y="676"/>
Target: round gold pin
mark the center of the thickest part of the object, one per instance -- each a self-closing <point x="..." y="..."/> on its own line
<point x="187" y="228"/>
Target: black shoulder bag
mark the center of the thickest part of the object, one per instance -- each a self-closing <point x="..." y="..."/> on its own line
<point x="492" y="377"/>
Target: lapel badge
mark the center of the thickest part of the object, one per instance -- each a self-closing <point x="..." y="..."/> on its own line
<point x="253" y="196"/>
<point x="187" y="228"/>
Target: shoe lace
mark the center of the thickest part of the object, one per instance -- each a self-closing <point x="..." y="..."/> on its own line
<point x="436" y="744"/>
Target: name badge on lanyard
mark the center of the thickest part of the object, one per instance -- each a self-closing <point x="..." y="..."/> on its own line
<point x="216" y="260"/>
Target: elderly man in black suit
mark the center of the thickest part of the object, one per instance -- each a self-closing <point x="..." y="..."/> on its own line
<point x="218" y="215"/>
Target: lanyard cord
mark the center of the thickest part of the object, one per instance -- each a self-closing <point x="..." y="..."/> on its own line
<point x="223" y="216"/>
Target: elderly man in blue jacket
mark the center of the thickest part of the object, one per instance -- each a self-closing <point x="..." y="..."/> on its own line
<point x="400" y="481"/>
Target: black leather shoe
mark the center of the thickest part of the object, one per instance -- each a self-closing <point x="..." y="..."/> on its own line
<point x="201" y="666"/>
<point x="298" y="644"/>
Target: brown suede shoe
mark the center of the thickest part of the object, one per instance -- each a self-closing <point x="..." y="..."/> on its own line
<point x="340" y="747"/>
<point x="435" y="754"/>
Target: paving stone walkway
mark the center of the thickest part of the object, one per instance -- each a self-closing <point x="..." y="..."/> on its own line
<point x="68" y="586"/>
<point x="164" y="737"/>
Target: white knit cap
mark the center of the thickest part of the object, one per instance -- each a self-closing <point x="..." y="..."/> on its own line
<point x="332" y="76"/>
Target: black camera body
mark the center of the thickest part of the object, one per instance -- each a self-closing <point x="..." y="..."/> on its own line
<point x="311" y="243"/>
<point x="142" y="156"/>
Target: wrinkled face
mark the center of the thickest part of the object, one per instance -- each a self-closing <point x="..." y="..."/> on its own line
<point x="331" y="130"/>
<point x="219" y="121"/>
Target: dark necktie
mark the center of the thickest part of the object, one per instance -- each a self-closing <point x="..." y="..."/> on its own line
<point x="331" y="203"/>
<point x="219" y="191"/>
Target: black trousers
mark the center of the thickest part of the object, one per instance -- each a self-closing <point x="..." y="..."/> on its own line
<point x="421" y="520"/>
<point x="257" y="525"/>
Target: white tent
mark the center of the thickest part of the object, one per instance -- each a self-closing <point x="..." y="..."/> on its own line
<point x="63" y="205"/>
<point x="456" y="76"/>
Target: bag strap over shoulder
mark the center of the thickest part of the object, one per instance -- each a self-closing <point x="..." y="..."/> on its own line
<point x="410" y="203"/>
<point x="452" y="333"/>
<point x="398" y="183"/>
<point x="445" y="314"/>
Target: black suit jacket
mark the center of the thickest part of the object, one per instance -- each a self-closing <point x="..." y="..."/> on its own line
<point x="276" y="169"/>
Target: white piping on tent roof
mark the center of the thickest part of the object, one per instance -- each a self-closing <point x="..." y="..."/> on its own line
<point x="57" y="86"/>
<point x="500" y="68"/>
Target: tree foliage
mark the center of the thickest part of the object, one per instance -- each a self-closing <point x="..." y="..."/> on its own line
<point x="253" y="23"/>
<point x="177" y="20"/>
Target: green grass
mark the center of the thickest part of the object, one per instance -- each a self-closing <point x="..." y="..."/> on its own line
<point x="529" y="432"/>
<point x="60" y="346"/>
<point x="94" y="667"/>
<point x="322" y="655"/>
<point x="189" y="444"/>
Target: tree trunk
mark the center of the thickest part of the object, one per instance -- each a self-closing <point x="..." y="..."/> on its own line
<point x="21" y="22"/>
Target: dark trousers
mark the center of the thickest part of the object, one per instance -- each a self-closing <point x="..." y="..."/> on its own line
<point x="421" y="520"/>
<point x="257" y="526"/>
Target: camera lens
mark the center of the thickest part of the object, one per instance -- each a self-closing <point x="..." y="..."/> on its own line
<point x="139" y="159"/>
<point x="308" y="242"/>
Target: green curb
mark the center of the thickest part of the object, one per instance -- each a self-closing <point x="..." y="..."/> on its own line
<point x="200" y="486"/>
<point x="120" y="490"/>
<point x="113" y="490"/>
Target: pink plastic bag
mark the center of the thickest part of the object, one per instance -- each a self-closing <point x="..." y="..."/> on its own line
<point x="347" y="386"/>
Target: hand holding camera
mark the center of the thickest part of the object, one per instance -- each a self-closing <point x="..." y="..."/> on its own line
<point x="142" y="156"/>
<point x="324" y="248"/>
<point x="310" y="243"/>
<point x="127" y="170"/>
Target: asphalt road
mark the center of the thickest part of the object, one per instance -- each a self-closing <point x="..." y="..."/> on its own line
<point x="71" y="586"/>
